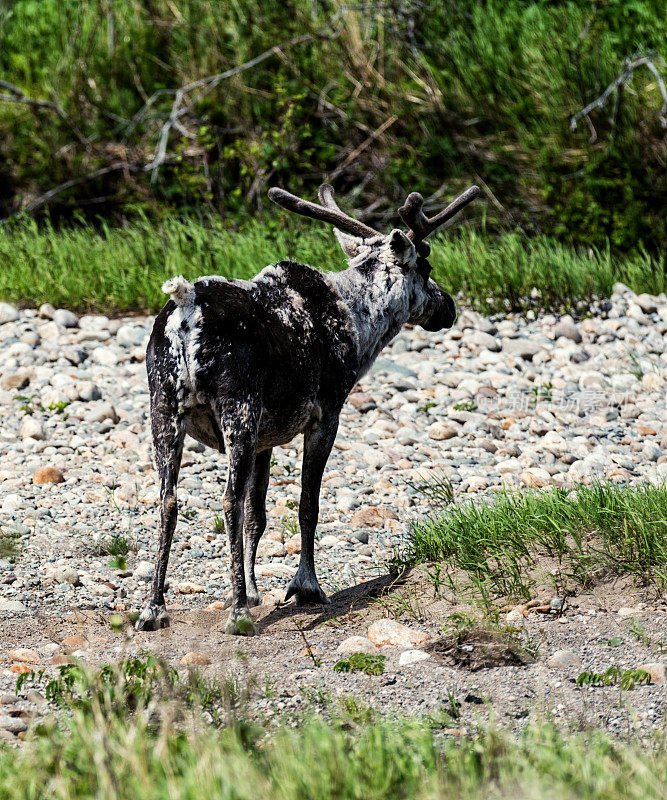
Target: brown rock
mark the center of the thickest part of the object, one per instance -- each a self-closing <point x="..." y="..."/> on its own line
<point x="652" y="382"/>
<point x="273" y="598"/>
<point x="657" y="670"/>
<point x="12" y="724"/>
<point x="19" y="669"/>
<point x="275" y="571"/>
<point x="59" y="659"/>
<point x="356" y="644"/>
<point x="619" y="475"/>
<point x="216" y="605"/>
<point x="516" y="614"/>
<point x="535" y="477"/>
<point x="563" y="659"/>
<point x="47" y="475"/>
<point x="14" y="380"/>
<point x="310" y="651"/>
<point x="387" y="632"/>
<point x="269" y="548"/>
<point x="293" y="544"/>
<point x="367" y="517"/>
<point x="194" y="659"/>
<point x="372" y="516"/>
<point x="643" y="430"/>
<point x="441" y="432"/>
<point x="75" y="642"/>
<point x="361" y="399"/>
<point x="25" y="655"/>
<point x="187" y="587"/>
<point x="277" y="534"/>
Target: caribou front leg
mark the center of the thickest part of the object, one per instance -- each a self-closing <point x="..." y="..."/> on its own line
<point x="316" y="450"/>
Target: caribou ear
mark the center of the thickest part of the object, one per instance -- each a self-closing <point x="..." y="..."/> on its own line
<point x="350" y="245"/>
<point x="402" y="250"/>
<point x="399" y="242"/>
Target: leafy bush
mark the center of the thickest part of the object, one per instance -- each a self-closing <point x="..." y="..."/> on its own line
<point x="382" y="98"/>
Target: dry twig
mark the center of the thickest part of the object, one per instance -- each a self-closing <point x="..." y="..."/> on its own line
<point x="124" y="166"/>
<point x="206" y="85"/>
<point x="631" y="64"/>
<point x="17" y="96"/>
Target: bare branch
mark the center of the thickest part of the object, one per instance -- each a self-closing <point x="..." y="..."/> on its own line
<point x="369" y="140"/>
<point x="125" y="166"/>
<point x="164" y="135"/>
<point x="206" y="85"/>
<point x="16" y="95"/>
<point x="631" y="64"/>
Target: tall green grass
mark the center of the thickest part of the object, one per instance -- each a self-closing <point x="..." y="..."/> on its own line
<point x="122" y="269"/>
<point x="160" y="749"/>
<point x="567" y="539"/>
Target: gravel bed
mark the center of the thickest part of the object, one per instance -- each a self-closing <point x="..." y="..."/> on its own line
<point x="493" y="403"/>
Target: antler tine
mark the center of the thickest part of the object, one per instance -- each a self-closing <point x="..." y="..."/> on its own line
<point x="328" y="197"/>
<point x="453" y="208"/>
<point x="420" y="226"/>
<point x="328" y="212"/>
<point x="411" y="213"/>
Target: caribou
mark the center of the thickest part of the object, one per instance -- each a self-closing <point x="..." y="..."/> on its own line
<point x="245" y="366"/>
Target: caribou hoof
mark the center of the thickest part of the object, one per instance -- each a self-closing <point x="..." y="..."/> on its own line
<point x="240" y="623"/>
<point x="153" y="618"/>
<point x="308" y="591"/>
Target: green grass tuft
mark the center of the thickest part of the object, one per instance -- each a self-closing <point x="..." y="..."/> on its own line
<point x="9" y="545"/>
<point x="136" y="732"/>
<point x="361" y="662"/>
<point x="625" y="678"/>
<point x="584" y="535"/>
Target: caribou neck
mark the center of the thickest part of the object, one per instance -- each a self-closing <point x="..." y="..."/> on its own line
<point x="378" y="305"/>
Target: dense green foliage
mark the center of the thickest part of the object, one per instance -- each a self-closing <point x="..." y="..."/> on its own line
<point x="580" y="537"/>
<point x="383" y="98"/>
<point x="106" y="747"/>
<point x="118" y="269"/>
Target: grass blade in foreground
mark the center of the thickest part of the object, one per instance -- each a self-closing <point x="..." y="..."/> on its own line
<point x="99" y="752"/>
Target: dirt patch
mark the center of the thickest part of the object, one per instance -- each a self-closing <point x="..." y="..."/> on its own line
<point x="291" y="661"/>
<point x="480" y="649"/>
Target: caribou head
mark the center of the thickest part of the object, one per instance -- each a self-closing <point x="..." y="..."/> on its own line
<point x="401" y="255"/>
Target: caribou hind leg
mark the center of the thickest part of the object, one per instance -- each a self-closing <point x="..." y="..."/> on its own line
<point x="168" y="435"/>
<point x="239" y="423"/>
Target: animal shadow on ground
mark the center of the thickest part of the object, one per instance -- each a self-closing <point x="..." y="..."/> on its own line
<point x="348" y="601"/>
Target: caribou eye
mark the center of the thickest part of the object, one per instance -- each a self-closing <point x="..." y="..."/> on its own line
<point x="423" y="268"/>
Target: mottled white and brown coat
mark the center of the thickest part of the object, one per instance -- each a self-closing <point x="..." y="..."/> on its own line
<point x="244" y="366"/>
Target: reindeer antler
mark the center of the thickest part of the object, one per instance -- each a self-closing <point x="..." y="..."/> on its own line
<point x="327" y="212"/>
<point x="420" y="226"/>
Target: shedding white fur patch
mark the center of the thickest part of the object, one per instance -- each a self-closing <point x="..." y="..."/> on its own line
<point x="182" y="292"/>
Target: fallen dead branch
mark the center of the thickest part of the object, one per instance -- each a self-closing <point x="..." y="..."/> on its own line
<point x="632" y="63"/>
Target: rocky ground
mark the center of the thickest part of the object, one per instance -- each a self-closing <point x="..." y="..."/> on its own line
<point x="496" y="403"/>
